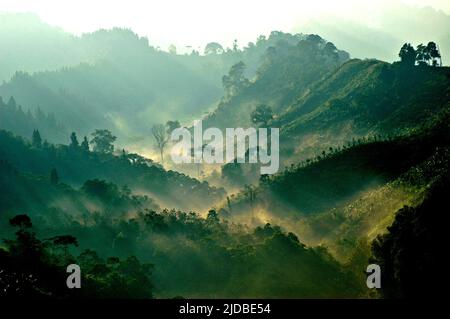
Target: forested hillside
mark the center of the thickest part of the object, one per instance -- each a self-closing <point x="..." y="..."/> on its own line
<point x="75" y="164"/>
<point x="87" y="176"/>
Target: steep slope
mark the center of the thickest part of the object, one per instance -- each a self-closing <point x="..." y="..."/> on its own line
<point x="286" y="72"/>
<point x="343" y="173"/>
<point x="365" y="97"/>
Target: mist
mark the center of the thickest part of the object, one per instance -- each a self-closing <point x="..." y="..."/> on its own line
<point x="367" y="29"/>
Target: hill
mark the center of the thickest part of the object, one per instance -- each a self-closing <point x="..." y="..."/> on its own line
<point x="75" y="165"/>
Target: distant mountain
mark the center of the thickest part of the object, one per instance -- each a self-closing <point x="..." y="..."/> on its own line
<point x="114" y="79"/>
<point x="388" y="27"/>
<point x="127" y="87"/>
<point x="22" y="34"/>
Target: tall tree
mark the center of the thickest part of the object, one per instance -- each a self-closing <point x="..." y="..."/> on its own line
<point x="160" y="134"/>
<point x="407" y="54"/>
<point x="74" y="141"/>
<point x="434" y="54"/>
<point x="423" y="55"/>
<point x="171" y="126"/>
<point x="37" y="140"/>
<point x="103" y="141"/>
<point x="235" y="80"/>
<point x="85" y="145"/>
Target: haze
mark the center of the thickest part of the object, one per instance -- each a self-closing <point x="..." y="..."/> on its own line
<point x="194" y="23"/>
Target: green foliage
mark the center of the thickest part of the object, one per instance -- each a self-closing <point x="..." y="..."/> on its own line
<point x="235" y="80"/>
<point x="290" y="65"/>
<point x="102" y="140"/>
<point x="339" y="195"/>
<point x="18" y="121"/>
<point x="261" y="115"/>
<point x="36" y="268"/>
<point x="36" y="139"/>
<point x="410" y="254"/>
<point x="408" y="54"/>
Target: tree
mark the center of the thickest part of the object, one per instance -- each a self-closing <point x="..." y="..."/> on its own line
<point x="235" y="80"/>
<point x="213" y="48"/>
<point x="262" y="114"/>
<point x="413" y="250"/>
<point x="85" y="145"/>
<point x="103" y="141"/>
<point x="74" y="141"/>
<point x="172" y="49"/>
<point x="235" y="45"/>
<point x="171" y="126"/>
<point x="160" y="134"/>
<point x="64" y="241"/>
<point x="212" y="217"/>
<point x="407" y="54"/>
<point x="21" y="221"/>
<point x="12" y="103"/>
<point x="37" y="140"/>
<point x="423" y="55"/>
<point x="54" y="178"/>
<point x="434" y="54"/>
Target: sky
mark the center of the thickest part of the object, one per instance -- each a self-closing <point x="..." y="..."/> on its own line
<point x="197" y="22"/>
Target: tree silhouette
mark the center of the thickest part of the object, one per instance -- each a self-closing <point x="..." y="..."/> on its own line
<point x="103" y="141"/>
<point x="21" y="221"/>
<point x="160" y="134"/>
<point x="37" y="140"/>
<point x="434" y="54"/>
<point x="235" y="80"/>
<point x="407" y="54"/>
<point x="74" y="141"/>
<point x="213" y="48"/>
<point x="423" y="55"/>
<point x="85" y="145"/>
<point x="171" y="126"/>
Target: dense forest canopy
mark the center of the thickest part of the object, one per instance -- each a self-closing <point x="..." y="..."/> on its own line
<point x="86" y="176"/>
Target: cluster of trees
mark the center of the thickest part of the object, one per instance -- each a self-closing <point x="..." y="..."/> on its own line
<point x="188" y="251"/>
<point x="423" y="55"/>
<point x="288" y="66"/>
<point x="411" y="253"/>
<point x="318" y="184"/>
<point x="74" y="166"/>
<point x="235" y="80"/>
<point x="102" y="141"/>
<point x="187" y="254"/>
<point x="34" y="267"/>
<point x="15" y="119"/>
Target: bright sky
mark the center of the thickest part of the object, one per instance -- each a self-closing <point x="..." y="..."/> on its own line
<point x="196" y="22"/>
